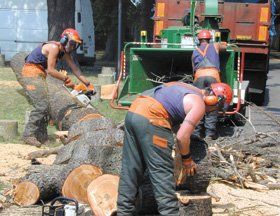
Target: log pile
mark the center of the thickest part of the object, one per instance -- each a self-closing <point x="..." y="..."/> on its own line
<point x="93" y="147"/>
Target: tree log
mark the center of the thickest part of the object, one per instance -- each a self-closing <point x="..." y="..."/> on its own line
<point x="94" y="124"/>
<point x="102" y="194"/>
<point x="26" y="193"/>
<point x="76" y="183"/>
<point x="198" y="205"/>
<point x="47" y="179"/>
<point x="65" y="109"/>
<point x="17" y="63"/>
<point x="200" y="181"/>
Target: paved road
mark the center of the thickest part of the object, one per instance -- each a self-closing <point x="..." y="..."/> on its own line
<point x="272" y="100"/>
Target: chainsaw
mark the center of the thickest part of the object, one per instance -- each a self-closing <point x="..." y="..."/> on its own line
<point x="82" y="94"/>
<point x="61" y="206"/>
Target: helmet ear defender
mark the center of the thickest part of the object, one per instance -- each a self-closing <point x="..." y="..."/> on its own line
<point x="64" y="40"/>
<point x="211" y="100"/>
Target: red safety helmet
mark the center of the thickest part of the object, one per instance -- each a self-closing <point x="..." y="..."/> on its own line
<point x="70" y="35"/>
<point x="204" y="34"/>
<point x="223" y="90"/>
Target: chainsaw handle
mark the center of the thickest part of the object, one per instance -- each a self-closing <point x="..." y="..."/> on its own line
<point x="65" y="200"/>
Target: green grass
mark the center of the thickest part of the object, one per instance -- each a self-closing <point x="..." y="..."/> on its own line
<point x="14" y="104"/>
<point x="12" y="99"/>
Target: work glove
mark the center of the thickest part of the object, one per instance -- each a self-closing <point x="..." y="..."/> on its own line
<point x="188" y="169"/>
<point x="67" y="80"/>
<point x="81" y="87"/>
<point x="90" y="87"/>
<point x="189" y="166"/>
<point x="70" y="85"/>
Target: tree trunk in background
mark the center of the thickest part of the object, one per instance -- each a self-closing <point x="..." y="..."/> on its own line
<point x="61" y="15"/>
<point x="146" y="22"/>
<point x="111" y="46"/>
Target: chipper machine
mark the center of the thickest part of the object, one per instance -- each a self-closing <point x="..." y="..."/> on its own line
<point x="168" y="58"/>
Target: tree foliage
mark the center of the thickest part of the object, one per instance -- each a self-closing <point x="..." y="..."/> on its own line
<point x="106" y="23"/>
<point x="61" y="15"/>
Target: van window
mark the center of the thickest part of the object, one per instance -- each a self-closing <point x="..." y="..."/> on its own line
<point x="248" y="1"/>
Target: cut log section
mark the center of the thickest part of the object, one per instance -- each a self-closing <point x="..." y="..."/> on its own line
<point x="76" y="183"/>
<point x="198" y="205"/>
<point x="47" y="179"/>
<point x="26" y="193"/>
<point x="102" y="195"/>
<point x="102" y="148"/>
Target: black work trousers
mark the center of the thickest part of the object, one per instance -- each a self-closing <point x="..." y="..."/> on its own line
<point x="147" y="146"/>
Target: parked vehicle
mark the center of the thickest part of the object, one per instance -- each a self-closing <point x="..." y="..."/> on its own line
<point x="176" y="23"/>
<point x="25" y="25"/>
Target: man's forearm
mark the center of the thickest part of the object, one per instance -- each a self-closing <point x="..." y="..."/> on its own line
<point x="184" y="146"/>
<point x="56" y="74"/>
<point x="81" y="77"/>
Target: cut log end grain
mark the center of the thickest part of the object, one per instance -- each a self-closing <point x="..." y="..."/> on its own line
<point x="26" y="193"/>
<point x="90" y="116"/>
<point x="76" y="183"/>
<point x="102" y="195"/>
<point x="197" y="205"/>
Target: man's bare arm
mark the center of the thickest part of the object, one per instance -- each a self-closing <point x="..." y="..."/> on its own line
<point x="75" y="69"/>
<point x="53" y="51"/>
<point x="195" y="111"/>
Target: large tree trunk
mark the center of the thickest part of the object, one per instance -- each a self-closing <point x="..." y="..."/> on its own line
<point x="61" y="15"/>
<point x="65" y="109"/>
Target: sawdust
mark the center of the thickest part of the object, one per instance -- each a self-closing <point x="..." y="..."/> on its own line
<point x="9" y="84"/>
<point x="234" y="201"/>
<point x="12" y="161"/>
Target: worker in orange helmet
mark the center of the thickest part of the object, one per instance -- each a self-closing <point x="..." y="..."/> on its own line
<point x="206" y="67"/>
<point x="149" y="141"/>
<point x="41" y="62"/>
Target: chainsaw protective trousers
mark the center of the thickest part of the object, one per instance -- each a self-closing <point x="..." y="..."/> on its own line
<point x="35" y="87"/>
<point x="147" y="147"/>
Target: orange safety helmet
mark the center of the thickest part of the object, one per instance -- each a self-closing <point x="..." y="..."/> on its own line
<point x="222" y="90"/>
<point x="70" y="35"/>
<point x="204" y="34"/>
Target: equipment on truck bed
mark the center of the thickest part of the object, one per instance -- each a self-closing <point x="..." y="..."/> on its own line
<point x="244" y="65"/>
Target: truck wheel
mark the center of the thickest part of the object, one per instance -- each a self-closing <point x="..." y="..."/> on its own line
<point x="258" y="99"/>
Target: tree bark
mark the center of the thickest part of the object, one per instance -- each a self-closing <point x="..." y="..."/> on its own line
<point x="47" y="179"/>
<point x="61" y="15"/>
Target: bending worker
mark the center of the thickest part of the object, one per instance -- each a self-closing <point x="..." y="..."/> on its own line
<point x="148" y="141"/>
<point x="40" y="63"/>
<point x="206" y="67"/>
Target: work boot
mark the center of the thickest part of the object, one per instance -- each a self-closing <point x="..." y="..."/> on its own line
<point x="32" y="141"/>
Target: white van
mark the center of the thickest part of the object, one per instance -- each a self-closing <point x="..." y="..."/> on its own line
<point x="24" y="25"/>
